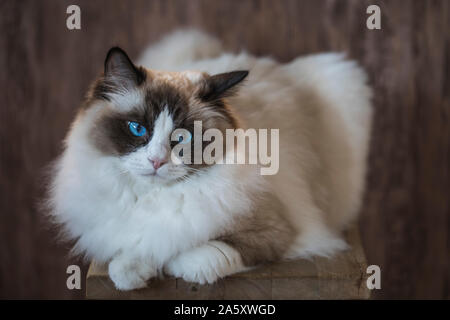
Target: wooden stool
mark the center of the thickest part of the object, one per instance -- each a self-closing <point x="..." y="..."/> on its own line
<point x="343" y="277"/>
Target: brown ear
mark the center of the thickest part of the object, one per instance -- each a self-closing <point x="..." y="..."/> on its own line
<point x="219" y="85"/>
<point x="120" y="70"/>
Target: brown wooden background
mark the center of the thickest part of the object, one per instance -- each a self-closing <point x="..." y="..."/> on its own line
<point x="45" y="70"/>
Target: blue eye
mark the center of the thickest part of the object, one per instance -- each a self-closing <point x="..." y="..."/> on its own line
<point x="182" y="140"/>
<point x="136" y="129"/>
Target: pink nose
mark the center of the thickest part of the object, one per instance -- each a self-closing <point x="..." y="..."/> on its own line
<point x="157" y="163"/>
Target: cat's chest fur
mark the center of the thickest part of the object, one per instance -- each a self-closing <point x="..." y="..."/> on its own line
<point x="113" y="214"/>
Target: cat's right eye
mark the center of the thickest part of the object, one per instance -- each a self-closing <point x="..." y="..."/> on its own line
<point x="136" y="129"/>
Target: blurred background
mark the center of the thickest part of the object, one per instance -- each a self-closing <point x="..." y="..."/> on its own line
<point x="46" y="70"/>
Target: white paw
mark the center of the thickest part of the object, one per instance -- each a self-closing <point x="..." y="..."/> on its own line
<point x="205" y="264"/>
<point x="129" y="274"/>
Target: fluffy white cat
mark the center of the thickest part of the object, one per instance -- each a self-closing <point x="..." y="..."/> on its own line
<point x="116" y="191"/>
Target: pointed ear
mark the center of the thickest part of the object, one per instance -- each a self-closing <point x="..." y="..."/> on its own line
<point x="220" y="85"/>
<point x="120" y="70"/>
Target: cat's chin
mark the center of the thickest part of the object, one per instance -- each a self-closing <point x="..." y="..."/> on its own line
<point x="154" y="177"/>
<point x="150" y="174"/>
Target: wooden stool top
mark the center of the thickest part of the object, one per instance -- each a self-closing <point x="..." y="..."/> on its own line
<point x="342" y="277"/>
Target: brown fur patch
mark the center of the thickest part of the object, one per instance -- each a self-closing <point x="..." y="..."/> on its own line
<point x="264" y="236"/>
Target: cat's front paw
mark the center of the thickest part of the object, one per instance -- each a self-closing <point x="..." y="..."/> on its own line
<point x="205" y="264"/>
<point x="192" y="266"/>
<point x="129" y="274"/>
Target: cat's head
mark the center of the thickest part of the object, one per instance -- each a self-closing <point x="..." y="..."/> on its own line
<point x="138" y="110"/>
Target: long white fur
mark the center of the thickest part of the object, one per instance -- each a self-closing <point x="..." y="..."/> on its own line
<point x="139" y="226"/>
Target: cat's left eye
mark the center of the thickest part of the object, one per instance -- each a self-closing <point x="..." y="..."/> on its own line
<point x="185" y="139"/>
<point x="136" y="129"/>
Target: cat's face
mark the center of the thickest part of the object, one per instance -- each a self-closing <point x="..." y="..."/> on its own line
<point x="142" y="109"/>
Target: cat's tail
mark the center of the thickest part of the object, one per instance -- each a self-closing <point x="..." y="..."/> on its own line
<point x="179" y="48"/>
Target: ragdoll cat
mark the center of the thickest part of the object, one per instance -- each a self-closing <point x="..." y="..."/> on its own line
<point x="118" y="193"/>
